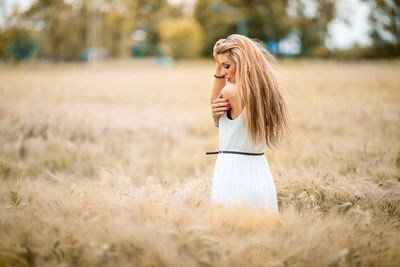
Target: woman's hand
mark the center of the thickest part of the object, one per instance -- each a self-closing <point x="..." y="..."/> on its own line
<point x="220" y="41"/>
<point x="219" y="106"/>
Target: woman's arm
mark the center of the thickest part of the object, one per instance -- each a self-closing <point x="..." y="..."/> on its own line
<point x="219" y="83"/>
<point x="219" y="105"/>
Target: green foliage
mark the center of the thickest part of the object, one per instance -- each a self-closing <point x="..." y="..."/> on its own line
<point x="16" y="43"/>
<point x="385" y="21"/>
<point x="116" y="33"/>
<point x="215" y="25"/>
<point x="69" y="29"/>
<point x="64" y="30"/>
<point x="312" y="26"/>
<point x="372" y="52"/>
<point x="149" y="15"/>
<point x="181" y="37"/>
<point x="268" y="20"/>
<point x="62" y="36"/>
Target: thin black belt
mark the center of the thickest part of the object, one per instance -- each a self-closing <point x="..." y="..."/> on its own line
<point x="235" y="152"/>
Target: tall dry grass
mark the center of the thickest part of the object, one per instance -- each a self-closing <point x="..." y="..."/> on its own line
<point x="105" y="166"/>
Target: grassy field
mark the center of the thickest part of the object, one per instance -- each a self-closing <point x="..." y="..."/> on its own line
<point x="105" y="166"/>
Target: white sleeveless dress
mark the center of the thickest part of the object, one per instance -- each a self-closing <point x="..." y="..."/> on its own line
<point x="242" y="179"/>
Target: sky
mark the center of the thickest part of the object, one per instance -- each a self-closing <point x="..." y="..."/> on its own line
<point x="342" y="35"/>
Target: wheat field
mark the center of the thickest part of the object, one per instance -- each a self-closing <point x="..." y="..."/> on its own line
<point x="105" y="165"/>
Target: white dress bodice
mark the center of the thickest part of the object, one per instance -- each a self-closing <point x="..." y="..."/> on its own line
<point x="233" y="135"/>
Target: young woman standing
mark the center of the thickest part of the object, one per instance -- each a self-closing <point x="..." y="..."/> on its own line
<point x="251" y="114"/>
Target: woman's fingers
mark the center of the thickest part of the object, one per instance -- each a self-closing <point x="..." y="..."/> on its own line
<point x="220" y="103"/>
<point x="220" y="109"/>
<point x="219" y="100"/>
<point x="218" y="114"/>
<point x="219" y="106"/>
<point x="220" y="41"/>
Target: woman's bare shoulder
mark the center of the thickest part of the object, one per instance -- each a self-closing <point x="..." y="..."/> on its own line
<point x="229" y="91"/>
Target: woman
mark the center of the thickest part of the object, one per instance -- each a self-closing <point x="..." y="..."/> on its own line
<point x="251" y="114"/>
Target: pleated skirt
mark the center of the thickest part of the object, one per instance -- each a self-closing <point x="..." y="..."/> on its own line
<point x="244" y="180"/>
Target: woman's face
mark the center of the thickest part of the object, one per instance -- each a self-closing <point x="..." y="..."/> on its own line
<point x="228" y="67"/>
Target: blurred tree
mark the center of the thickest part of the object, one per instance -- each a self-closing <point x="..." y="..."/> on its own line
<point x="385" y="21"/>
<point x="16" y="43"/>
<point x="215" y="25"/>
<point x="181" y="37"/>
<point x="118" y="24"/>
<point x="65" y="29"/>
<point x="311" y="20"/>
<point x="385" y="27"/>
<point x="269" y="21"/>
<point x="70" y="29"/>
<point x="62" y="29"/>
<point x="149" y="15"/>
<point x="116" y="34"/>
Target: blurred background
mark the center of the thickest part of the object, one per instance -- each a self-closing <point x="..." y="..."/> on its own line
<point x="104" y="164"/>
<point x="92" y="30"/>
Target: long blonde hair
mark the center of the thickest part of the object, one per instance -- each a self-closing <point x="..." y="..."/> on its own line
<point x="266" y="112"/>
